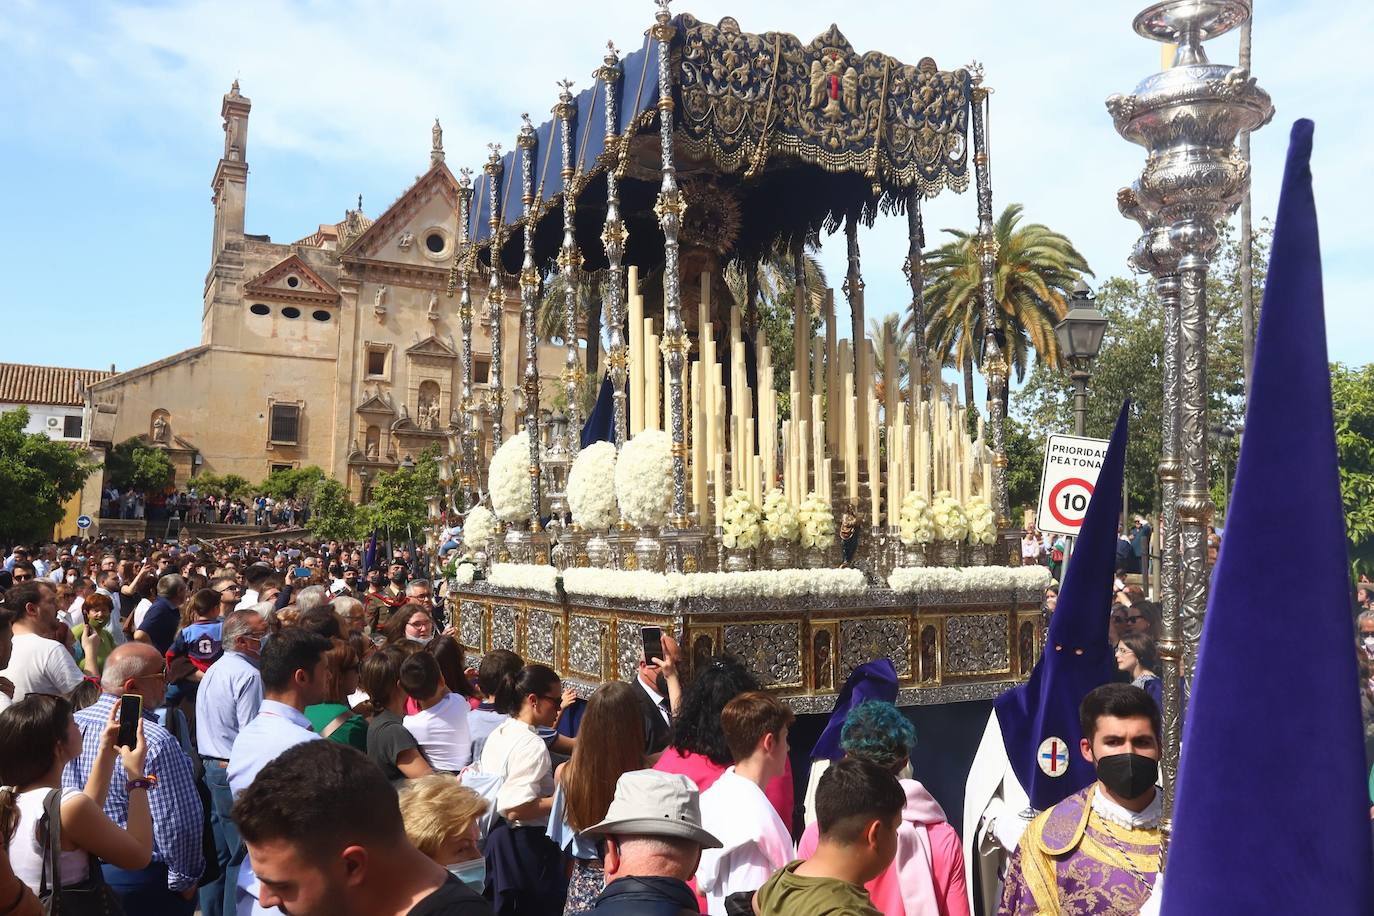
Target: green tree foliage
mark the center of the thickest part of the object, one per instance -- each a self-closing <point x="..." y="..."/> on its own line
<point x="133" y="464"/>
<point x="291" y="483"/>
<point x="1130" y="366"/>
<point x="1035" y="272"/>
<point x="332" y="513"/>
<point x="397" y="499"/>
<point x="1352" y="393"/>
<point x="37" y="477"/>
<point x="776" y="291"/>
<point x="1025" y="462"/>
<point x="232" y="486"/>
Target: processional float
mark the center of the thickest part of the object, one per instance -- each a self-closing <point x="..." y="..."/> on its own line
<point x="714" y="510"/>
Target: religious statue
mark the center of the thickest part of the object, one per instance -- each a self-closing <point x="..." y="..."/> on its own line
<point x="159" y="429"/>
<point x="405" y="241"/>
<point x="379" y="302"/>
<point x="372" y="449"/>
<point x="849" y="534"/>
<point x="433" y="312"/>
<point x="427" y="411"/>
<point x="436" y="134"/>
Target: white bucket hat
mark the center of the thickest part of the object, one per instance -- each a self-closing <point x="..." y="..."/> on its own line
<point x="651" y="803"/>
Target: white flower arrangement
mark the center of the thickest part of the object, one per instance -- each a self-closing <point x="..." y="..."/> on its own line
<point x="478" y="529"/>
<point x="525" y="576"/>
<point x="817" y="522"/>
<point x="740" y="522"/>
<point x="464" y="573"/>
<point x="948" y="517"/>
<point x="509" y="480"/>
<point x="619" y="584"/>
<point x="643" y="478"/>
<point x="916" y="524"/>
<point x="982" y="525"/>
<point x="778" y="583"/>
<point x="780" y="521"/>
<point x="591" y="486"/>
<point x="912" y="579"/>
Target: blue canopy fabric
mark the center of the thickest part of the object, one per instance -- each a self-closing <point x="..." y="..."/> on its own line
<point x="1077" y="657"/>
<point x="1272" y="812"/>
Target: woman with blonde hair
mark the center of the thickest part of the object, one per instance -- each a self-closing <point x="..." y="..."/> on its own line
<point x="610" y="742"/>
<point x="442" y="820"/>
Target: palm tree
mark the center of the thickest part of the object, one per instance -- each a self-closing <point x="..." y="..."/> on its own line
<point x="901" y="333"/>
<point x="1034" y="275"/>
<point x="775" y="279"/>
<point x="549" y="324"/>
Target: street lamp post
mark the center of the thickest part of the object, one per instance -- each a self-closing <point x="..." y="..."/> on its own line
<point x="1080" y="334"/>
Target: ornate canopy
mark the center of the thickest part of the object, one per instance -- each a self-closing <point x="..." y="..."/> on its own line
<point x="785" y="137"/>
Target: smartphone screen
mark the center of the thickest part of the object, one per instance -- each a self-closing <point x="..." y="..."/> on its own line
<point x="653" y="643"/>
<point x="130" y="711"/>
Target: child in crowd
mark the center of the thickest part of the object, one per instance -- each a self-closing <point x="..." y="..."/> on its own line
<point x="859" y="807"/>
<point x="441" y="725"/>
<point x="754" y="841"/>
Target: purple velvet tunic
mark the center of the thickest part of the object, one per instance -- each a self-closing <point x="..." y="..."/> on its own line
<point x="1072" y="861"/>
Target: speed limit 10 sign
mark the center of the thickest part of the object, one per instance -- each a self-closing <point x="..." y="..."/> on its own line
<point x="1066" y="485"/>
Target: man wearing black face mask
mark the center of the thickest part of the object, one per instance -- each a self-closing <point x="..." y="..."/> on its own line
<point x="382" y="603"/>
<point x="1097" y="851"/>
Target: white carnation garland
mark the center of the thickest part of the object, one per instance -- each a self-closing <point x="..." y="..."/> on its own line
<point x="643" y="478"/>
<point x="817" y="522"/>
<point x="664" y="587"/>
<point x="509" y="480"/>
<point x="740" y="522"/>
<point x="914" y="579"/>
<point x="780" y="522"/>
<point x="916" y="525"/>
<point x="591" y="486"/>
<point x="526" y="576"/>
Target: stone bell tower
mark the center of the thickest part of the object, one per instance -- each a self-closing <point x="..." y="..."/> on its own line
<point x="230" y="187"/>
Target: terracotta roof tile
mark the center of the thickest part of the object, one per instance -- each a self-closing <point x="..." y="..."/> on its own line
<point x="25" y="384"/>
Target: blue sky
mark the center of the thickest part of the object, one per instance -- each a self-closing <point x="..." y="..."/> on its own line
<point x="112" y="132"/>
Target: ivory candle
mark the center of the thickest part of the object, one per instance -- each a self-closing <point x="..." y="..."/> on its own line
<point x="650" y="376"/>
<point x="698" y="446"/>
<point x="636" y="351"/>
<point x="720" y="489"/>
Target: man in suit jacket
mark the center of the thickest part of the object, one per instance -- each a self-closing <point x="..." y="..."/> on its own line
<point x="660" y="696"/>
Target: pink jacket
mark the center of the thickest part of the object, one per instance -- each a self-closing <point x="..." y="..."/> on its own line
<point x="927" y="876"/>
<point x="700" y="770"/>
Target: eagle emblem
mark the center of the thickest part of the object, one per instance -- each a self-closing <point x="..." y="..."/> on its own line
<point x="833" y="85"/>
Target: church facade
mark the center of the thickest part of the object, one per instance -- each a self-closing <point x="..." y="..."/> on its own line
<point x="339" y="350"/>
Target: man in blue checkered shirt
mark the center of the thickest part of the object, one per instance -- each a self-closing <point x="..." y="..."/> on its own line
<point x="167" y="887"/>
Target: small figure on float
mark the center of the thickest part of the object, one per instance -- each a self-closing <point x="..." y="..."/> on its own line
<point x="849" y="534"/>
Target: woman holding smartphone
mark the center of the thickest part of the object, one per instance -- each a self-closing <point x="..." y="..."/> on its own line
<point x="38" y="737"/>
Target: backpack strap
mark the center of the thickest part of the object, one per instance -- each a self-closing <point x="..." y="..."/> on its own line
<point x="51" y="823"/>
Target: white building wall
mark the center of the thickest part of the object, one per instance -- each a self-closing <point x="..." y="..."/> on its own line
<point x="51" y="420"/>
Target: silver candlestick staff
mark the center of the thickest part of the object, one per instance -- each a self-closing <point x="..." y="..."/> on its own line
<point x="1187" y="118"/>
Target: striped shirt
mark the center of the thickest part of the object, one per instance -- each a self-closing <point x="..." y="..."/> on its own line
<point x="175" y="804"/>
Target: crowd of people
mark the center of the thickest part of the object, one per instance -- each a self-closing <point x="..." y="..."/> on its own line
<point x="315" y="739"/>
<point x="196" y="508"/>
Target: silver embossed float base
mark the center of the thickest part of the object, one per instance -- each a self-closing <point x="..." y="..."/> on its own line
<point x="946" y="647"/>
